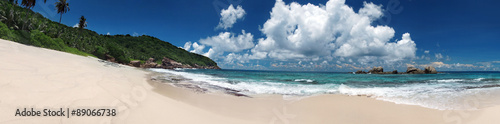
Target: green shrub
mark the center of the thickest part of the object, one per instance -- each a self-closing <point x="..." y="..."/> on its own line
<point x="76" y="51"/>
<point x="3" y="29"/>
<point x="5" y="33"/>
<point x="100" y="52"/>
<point x="41" y="40"/>
<point x="38" y="40"/>
<point x="122" y="59"/>
<point x="22" y="36"/>
<point x="116" y="52"/>
<point x="59" y="44"/>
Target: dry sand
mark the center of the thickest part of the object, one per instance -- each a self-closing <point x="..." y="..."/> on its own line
<point x="32" y="77"/>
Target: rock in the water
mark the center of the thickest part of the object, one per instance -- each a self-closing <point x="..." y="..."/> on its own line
<point x="430" y="70"/>
<point x="419" y="72"/>
<point x="413" y="70"/>
<point x="377" y="70"/>
<point x="409" y="70"/>
<point x="135" y="63"/>
<point x="360" y="72"/>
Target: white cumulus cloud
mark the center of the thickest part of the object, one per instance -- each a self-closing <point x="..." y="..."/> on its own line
<point x="233" y="57"/>
<point x="229" y="16"/>
<point x="438" y="56"/>
<point x="187" y="46"/>
<point x="296" y="31"/>
<point x="229" y="42"/>
<point x="224" y="42"/>
<point x="197" y="48"/>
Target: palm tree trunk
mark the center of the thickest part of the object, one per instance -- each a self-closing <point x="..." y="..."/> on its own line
<point x="60" y="18"/>
<point x="79" y="36"/>
<point x="25" y="20"/>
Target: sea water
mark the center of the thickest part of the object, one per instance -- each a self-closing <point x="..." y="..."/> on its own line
<point x="444" y="91"/>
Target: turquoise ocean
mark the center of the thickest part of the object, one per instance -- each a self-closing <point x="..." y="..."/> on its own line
<point x="444" y="91"/>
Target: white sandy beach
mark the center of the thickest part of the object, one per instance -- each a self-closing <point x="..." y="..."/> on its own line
<point x="32" y="77"/>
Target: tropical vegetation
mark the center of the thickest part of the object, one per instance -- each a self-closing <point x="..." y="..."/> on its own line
<point x="42" y="32"/>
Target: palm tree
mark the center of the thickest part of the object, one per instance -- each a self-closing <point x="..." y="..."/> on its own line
<point x="10" y="18"/>
<point x="62" y="7"/>
<point x="83" y="23"/>
<point x="28" y="4"/>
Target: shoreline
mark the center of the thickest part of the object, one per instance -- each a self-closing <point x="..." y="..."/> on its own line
<point x="331" y="108"/>
<point x="414" y="94"/>
<point x="321" y="108"/>
<point x="42" y="78"/>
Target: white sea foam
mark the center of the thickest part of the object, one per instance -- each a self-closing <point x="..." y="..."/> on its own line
<point x="180" y="69"/>
<point x="249" y="87"/>
<point x="457" y="80"/>
<point x="448" y="80"/>
<point x="304" y="80"/>
<point x="436" y="96"/>
<point x="479" y="79"/>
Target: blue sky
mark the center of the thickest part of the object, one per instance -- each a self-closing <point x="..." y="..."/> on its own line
<point x="448" y="34"/>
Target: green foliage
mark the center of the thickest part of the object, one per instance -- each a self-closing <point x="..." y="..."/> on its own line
<point x="41" y="40"/>
<point x="57" y="44"/>
<point x="22" y="36"/>
<point x="43" y="32"/>
<point x="100" y="52"/>
<point x="5" y="33"/>
<point x="144" y="47"/>
<point x="118" y="53"/>
<point x="76" y="51"/>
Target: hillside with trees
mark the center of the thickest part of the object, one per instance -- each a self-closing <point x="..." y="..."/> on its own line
<point x="20" y="24"/>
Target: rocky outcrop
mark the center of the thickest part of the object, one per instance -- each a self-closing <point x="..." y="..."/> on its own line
<point x="150" y="63"/>
<point x="167" y="63"/>
<point x="430" y="70"/>
<point x="377" y="70"/>
<point x="110" y="58"/>
<point x="206" y="67"/>
<point x="360" y="72"/>
<point x="135" y="63"/>
<point x="413" y="70"/>
<point x="409" y="70"/>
